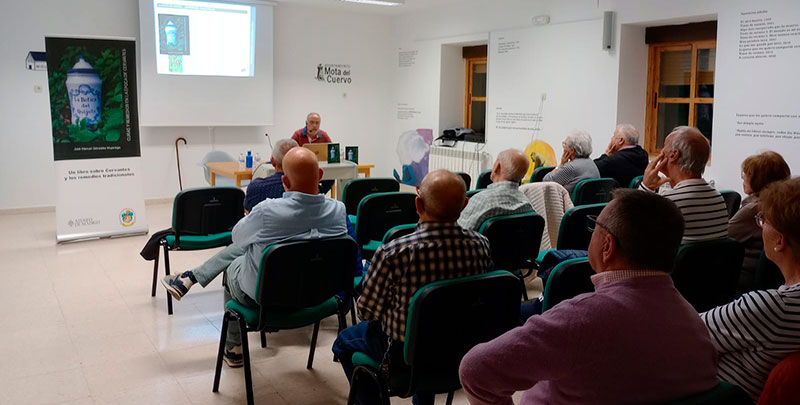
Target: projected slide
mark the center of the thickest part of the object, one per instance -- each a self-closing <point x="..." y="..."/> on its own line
<point x="204" y="38"/>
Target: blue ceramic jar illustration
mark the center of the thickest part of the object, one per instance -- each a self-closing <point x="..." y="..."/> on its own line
<point x="171" y="31"/>
<point x="84" y="89"/>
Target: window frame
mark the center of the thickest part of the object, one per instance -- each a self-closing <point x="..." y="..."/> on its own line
<point x="468" y="98"/>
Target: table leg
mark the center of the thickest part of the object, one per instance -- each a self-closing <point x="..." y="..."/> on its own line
<point x="238" y="181"/>
<point x="213" y="179"/>
<point x="366" y="172"/>
<point x="333" y="190"/>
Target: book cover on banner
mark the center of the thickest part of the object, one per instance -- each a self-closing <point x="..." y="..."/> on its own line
<point x="95" y="134"/>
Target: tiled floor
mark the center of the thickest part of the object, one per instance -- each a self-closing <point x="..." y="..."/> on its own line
<point x="78" y="326"/>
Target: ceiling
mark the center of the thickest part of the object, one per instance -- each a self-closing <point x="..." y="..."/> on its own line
<point x="411" y="6"/>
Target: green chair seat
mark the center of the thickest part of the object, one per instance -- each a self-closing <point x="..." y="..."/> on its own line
<point x="189" y="242"/>
<point x="357" y="281"/>
<point x="371" y="247"/>
<point x="353" y="220"/>
<point x="361" y="359"/>
<point x="286" y="319"/>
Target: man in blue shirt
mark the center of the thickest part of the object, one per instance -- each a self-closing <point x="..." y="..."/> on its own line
<point x="269" y="187"/>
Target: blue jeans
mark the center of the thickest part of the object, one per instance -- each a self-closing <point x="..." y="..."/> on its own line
<point x="373" y="342"/>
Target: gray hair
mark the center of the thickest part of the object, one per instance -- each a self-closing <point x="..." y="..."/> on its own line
<point x="581" y="141"/>
<point x="694" y="149"/>
<point x="628" y="133"/>
<point x="281" y="148"/>
<point x="513" y="165"/>
<point x="313" y="113"/>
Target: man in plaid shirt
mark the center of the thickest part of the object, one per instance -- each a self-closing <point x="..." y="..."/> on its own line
<point x="439" y="250"/>
<point x="502" y="197"/>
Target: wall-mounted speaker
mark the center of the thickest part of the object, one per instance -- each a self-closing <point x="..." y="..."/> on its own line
<point x="608" y="25"/>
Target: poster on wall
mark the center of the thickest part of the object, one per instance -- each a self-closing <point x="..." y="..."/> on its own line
<point x="95" y="135"/>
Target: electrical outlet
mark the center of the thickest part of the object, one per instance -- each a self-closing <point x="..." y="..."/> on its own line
<point x="37" y="88"/>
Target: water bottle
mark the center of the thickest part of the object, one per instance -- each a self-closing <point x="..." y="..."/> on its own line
<point x="249" y="161"/>
<point x="241" y="160"/>
<point x="258" y="159"/>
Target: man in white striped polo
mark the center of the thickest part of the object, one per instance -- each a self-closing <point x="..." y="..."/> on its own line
<point x="683" y="161"/>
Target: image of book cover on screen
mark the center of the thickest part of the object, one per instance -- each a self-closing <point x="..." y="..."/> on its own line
<point x="173" y="34"/>
<point x="351" y="153"/>
<point x="93" y="107"/>
<point x="333" y="153"/>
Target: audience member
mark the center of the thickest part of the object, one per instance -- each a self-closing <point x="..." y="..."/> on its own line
<point x="759" y="329"/>
<point x="623" y="159"/>
<point x="633" y="340"/>
<point x="758" y="171"/>
<point x="683" y="161"/>
<point x="575" y="163"/>
<point x="502" y="197"/>
<point x="438" y="250"/>
<point x="259" y="190"/>
<point x="272" y="186"/>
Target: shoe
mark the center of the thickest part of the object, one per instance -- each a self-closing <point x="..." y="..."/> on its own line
<point x="179" y="284"/>
<point x="234" y="357"/>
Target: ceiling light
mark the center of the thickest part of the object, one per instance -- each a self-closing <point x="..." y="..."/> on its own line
<point x="378" y="2"/>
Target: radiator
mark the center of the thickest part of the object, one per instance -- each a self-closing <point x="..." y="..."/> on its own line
<point x="456" y="159"/>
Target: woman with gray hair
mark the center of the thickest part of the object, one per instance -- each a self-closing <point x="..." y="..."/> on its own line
<point x="575" y="163"/>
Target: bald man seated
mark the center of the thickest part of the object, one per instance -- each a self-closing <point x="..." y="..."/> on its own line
<point x="302" y="213"/>
<point x="502" y="197"/>
<point x="404" y="265"/>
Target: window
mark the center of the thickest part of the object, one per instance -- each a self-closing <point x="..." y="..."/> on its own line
<point x="680" y="89"/>
<point x="475" y="97"/>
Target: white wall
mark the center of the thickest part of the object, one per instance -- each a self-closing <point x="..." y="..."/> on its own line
<point x="451" y="87"/>
<point x="353" y="115"/>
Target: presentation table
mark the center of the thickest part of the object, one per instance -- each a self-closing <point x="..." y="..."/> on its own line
<point x="341" y="172"/>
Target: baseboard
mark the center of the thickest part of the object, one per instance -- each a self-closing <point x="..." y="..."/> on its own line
<point x="52" y="208"/>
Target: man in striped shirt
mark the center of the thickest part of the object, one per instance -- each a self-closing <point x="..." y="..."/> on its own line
<point x="683" y="161"/>
<point x="761" y="328"/>
<point x="439" y="250"/>
<point x="502" y="197"/>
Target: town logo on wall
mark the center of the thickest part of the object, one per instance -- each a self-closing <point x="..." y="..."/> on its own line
<point x="333" y="74"/>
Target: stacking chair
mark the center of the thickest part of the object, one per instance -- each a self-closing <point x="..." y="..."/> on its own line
<point x="568" y="279"/>
<point x="707" y="273"/>
<point x="593" y="191"/>
<point x="298" y="285"/>
<point x="733" y="201"/>
<point x="377" y="213"/>
<point x="445" y="320"/>
<point x="356" y="189"/>
<point x="467" y="179"/>
<point x="202" y="218"/>
<point x="539" y="173"/>
<point x="781" y="386"/>
<point x="635" y="182"/>
<point x="724" y="393"/>
<point x="767" y="276"/>
<point x="484" y="179"/>
<point x="514" y="241"/>
<point x="573" y="233"/>
<point x="471" y="193"/>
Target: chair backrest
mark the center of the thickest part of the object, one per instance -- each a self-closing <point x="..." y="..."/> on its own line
<point x="635" y="182"/>
<point x="781" y="386"/>
<point x="356" y="189"/>
<point x="723" y="393"/>
<point x="471" y="193"/>
<point x="573" y="233"/>
<point x="467" y="179"/>
<point x="593" y="191"/>
<point x="484" y="179"/>
<point x="767" y="275"/>
<point x="447" y="318"/>
<point x="539" y="173"/>
<point x="214" y="156"/>
<point x="377" y="213"/>
<point x="514" y="239"/>
<point x="206" y="210"/>
<point x="304" y="273"/>
<point x="398" y="232"/>
<point x="568" y="279"/>
<point x="733" y="201"/>
<point x="707" y="273"/>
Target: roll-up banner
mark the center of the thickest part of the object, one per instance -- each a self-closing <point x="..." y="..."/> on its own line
<point x="94" y="116"/>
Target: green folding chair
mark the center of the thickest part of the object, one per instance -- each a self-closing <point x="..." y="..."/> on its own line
<point x="514" y="241"/>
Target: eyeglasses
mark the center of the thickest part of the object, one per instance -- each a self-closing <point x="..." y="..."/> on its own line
<point x="760" y="221"/>
<point x="592" y="223"/>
